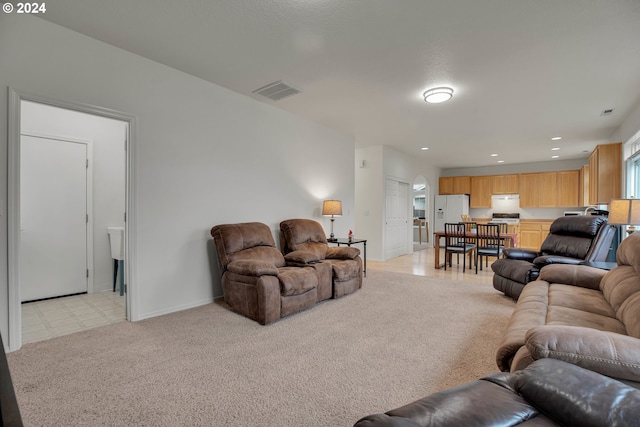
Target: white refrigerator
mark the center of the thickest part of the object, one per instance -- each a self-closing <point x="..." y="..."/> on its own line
<point x="449" y="208"/>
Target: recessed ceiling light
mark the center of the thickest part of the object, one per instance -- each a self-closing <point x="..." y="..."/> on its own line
<point x="494" y="155"/>
<point x="500" y="161"/>
<point x="438" y="94"/>
<point x="555" y="157"/>
<point x="424" y="148"/>
<point x="556" y="138"/>
<point x="555" y="148"/>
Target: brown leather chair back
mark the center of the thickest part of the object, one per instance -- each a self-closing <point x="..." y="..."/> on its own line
<point x="249" y="240"/>
<point x="304" y="235"/>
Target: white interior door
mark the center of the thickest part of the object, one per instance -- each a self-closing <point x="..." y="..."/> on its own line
<point x="396" y="218"/>
<point x="53" y="217"/>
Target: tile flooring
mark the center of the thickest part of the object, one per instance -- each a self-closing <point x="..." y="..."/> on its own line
<point x="46" y="319"/>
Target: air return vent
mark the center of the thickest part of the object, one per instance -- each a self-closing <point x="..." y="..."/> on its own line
<point x="607" y="112"/>
<point x="277" y="90"/>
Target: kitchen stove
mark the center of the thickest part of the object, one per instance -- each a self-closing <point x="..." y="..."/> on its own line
<point x="506" y="218"/>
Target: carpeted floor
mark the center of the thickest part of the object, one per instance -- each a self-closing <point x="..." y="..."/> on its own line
<point x="397" y="339"/>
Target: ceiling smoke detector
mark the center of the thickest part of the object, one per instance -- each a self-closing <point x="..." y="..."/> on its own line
<point x="607" y="112"/>
<point x="277" y="90"/>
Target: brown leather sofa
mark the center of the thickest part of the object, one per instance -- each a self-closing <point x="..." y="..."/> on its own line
<point x="571" y="240"/>
<point x="549" y="392"/>
<point x="304" y="241"/>
<point x="257" y="281"/>
<point x="582" y="315"/>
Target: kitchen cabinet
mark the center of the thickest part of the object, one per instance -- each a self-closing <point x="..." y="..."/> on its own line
<point x="504" y="184"/>
<point x="454" y="185"/>
<point x="583" y="186"/>
<point x="548" y="190"/>
<point x="532" y="234"/>
<point x="480" y="192"/>
<point x="568" y="190"/>
<point x="529" y="190"/>
<point x="605" y="173"/>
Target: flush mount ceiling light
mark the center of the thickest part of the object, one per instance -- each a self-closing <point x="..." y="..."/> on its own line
<point x="437" y="95"/>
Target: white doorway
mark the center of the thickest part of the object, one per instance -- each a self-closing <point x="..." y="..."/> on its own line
<point x="397" y="226"/>
<point x="97" y="271"/>
<point x="55" y="217"/>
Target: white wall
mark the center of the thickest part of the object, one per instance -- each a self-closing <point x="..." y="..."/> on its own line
<point x="204" y="156"/>
<point x="382" y="162"/>
<point x="107" y="137"/>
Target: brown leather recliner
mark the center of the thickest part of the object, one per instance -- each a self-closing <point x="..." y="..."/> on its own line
<point x="257" y="281"/>
<point x="305" y="241"/>
<point x="571" y="240"/>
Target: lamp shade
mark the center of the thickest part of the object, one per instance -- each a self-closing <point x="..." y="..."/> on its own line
<point x="624" y="211"/>
<point x="332" y="208"/>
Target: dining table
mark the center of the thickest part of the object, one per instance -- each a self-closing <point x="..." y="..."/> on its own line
<point x="509" y="239"/>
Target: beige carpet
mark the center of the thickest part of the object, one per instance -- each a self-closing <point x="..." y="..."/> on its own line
<point x="397" y="339"/>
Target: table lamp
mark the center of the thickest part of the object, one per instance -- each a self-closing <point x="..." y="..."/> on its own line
<point x="332" y="208"/>
<point x="625" y="212"/>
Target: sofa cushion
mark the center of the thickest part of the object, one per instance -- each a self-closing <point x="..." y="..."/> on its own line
<point x="608" y="353"/>
<point x="344" y="269"/>
<point x="342" y="252"/>
<point x="296" y="280"/>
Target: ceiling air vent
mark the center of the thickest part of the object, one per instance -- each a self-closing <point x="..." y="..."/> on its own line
<point x="277" y="90"/>
<point x="607" y="112"/>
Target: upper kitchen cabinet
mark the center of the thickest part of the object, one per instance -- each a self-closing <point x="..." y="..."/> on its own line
<point x="568" y="188"/>
<point x="504" y="184"/>
<point x="605" y="173"/>
<point x="454" y="185"/>
<point x="583" y="186"/>
<point x="480" y="192"/>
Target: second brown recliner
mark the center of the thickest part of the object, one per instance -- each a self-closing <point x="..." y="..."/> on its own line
<point x="305" y="242"/>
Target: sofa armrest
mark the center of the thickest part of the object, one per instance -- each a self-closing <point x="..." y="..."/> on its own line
<point x="576" y="396"/>
<point x="608" y="353"/>
<point x="252" y="268"/>
<point x="342" y="252"/>
<point x="576" y="275"/>
<point x="543" y="260"/>
<point x="301" y="258"/>
<point x="521" y="254"/>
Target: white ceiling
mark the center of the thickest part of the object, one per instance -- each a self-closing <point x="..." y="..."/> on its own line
<point x="523" y="71"/>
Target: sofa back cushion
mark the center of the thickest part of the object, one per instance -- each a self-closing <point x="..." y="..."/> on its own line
<point x="304" y="235"/>
<point x="621" y="286"/>
<point x="572" y="236"/>
<point x="246" y="241"/>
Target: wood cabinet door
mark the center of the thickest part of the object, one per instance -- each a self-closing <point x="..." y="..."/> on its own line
<point x="461" y="185"/>
<point x="530" y="236"/>
<point x="504" y="184"/>
<point x="609" y="176"/>
<point x="593" y="180"/>
<point x="548" y="190"/>
<point x="583" y="186"/>
<point x="445" y="185"/>
<point x="528" y="184"/>
<point x="480" y="192"/>
<point x="568" y="188"/>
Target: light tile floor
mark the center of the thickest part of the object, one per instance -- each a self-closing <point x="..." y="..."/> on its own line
<point x="47" y="319"/>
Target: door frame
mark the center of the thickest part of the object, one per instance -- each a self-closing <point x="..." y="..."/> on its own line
<point x="408" y="226"/>
<point x="89" y="195"/>
<point x="13" y="204"/>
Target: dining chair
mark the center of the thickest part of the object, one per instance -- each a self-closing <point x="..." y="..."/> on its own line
<point x="458" y="240"/>
<point x="488" y="243"/>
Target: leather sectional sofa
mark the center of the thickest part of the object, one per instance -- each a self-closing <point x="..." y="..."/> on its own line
<point x="570" y="356"/>
<point x="582" y="315"/>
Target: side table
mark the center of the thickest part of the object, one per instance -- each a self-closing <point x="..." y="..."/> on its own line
<point x="354" y="242"/>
